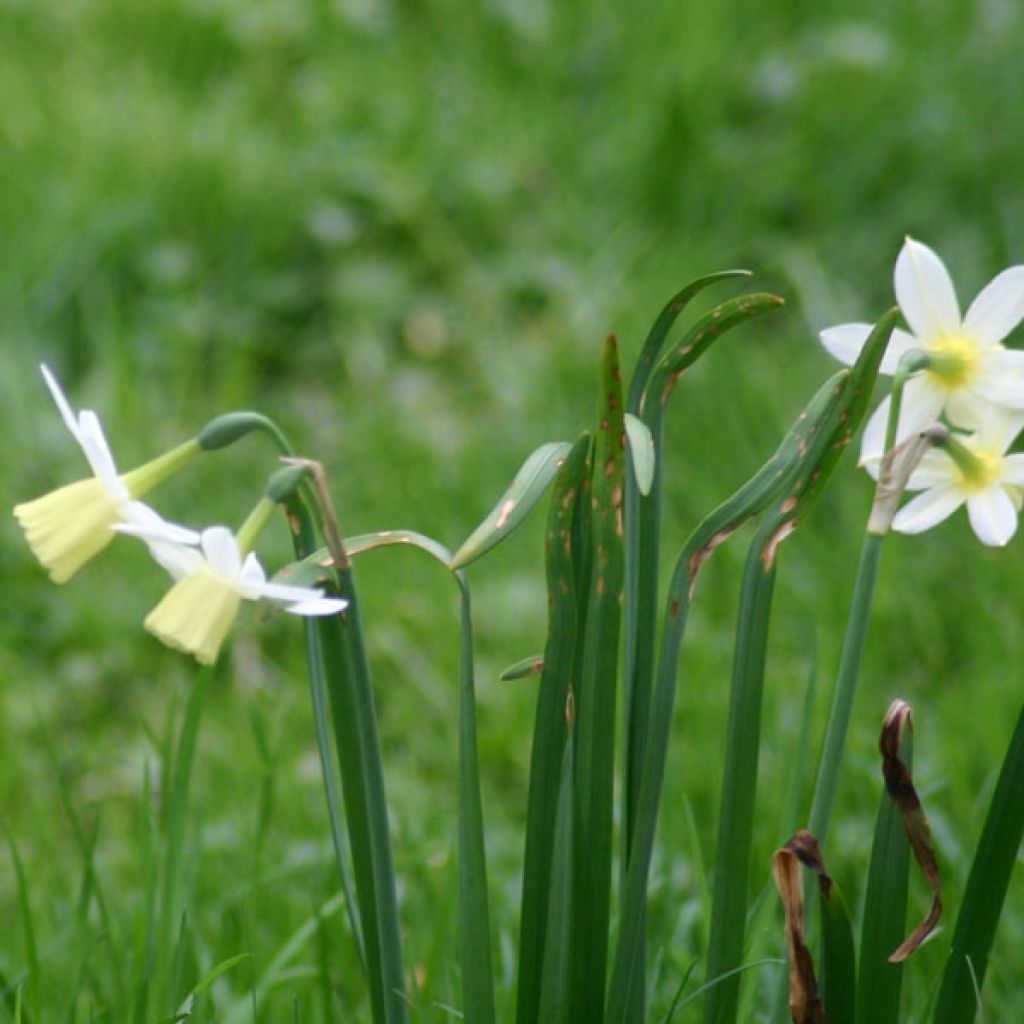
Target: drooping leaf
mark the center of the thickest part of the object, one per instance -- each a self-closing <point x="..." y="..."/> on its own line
<point x="516" y="503"/>
<point x="900" y="786"/>
<point x="804" y="1000"/>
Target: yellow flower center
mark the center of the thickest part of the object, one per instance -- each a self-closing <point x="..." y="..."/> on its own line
<point x="954" y="360"/>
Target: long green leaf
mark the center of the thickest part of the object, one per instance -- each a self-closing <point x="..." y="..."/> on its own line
<point x="28" y="931"/>
<point x="651" y="349"/>
<point x="595" y="705"/>
<point x="553" y="1002"/>
<point x="548" y="750"/>
<point x="982" y="904"/>
<point x="653" y="381"/>
<point x="879" y="982"/>
<point x="739" y="788"/>
<point x="474" y="917"/>
<point x="516" y="503"/>
<point x="750" y="499"/>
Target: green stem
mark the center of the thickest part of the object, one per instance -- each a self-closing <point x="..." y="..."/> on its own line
<point x="856" y="634"/>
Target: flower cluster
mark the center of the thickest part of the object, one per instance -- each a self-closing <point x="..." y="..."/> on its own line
<point x="213" y="570"/>
<point x="969" y="379"/>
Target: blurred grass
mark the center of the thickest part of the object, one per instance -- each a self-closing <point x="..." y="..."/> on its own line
<point x="402" y="229"/>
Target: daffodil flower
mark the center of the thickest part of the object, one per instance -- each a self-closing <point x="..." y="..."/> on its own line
<point x="969" y="371"/>
<point x="214" y="573"/>
<point x="70" y="525"/>
<point x="972" y="470"/>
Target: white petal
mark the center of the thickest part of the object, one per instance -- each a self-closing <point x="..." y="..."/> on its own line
<point x="925" y="292"/>
<point x="992" y="516"/>
<point x="1013" y="470"/>
<point x="845" y="341"/>
<point x="252" y="573"/>
<point x="899" y="343"/>
<point x="283" y="593"/>
<point x="178" y="559"/>
<point x="1000" y="377"/>
<point x="97" y="451"/>
<point x="66" y="412"/>
<point x="927" y="509"/>
<point x="139" y="520"/>
<point x="936" y="469"/>
<point x="922" y="403"/>
<point x="320" y="606"/>
<point x="221" y="551"/>
<point x="998" y="308"/>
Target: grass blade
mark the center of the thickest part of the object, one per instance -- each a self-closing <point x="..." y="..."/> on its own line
<point x="983" y="898"/>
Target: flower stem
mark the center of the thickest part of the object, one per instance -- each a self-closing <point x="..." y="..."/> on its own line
<point x="856" y="631"/>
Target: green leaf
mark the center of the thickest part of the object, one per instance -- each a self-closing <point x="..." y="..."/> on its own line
<point x="567" y="602"/>
<point x="595" y="705"/>
<point x="474" y="915"/>
<point x="982" y="904"/>
<point x="751" y="498"/>
<point x="655" y="340"/>
<point x="516" y="503"/>
<point x="553" y="1003"/>
<point x="839" y="957"/>
<point x="641" y="452"/>
<point x="879" y="981"/>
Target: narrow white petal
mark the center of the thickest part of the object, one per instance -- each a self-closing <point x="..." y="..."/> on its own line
<point x="63" y="407"/>
<point x="845" y="341"/>
<point x="221" y="551"/>
<point x="992" y="516"/>
<point x="927" y="509"/>
<point x="139" y="520"/>
<point x="899" y="344"/>
<point x="282" y="592"/>
<point x="998" y="308"/>
<point x="97" y="452"/>
<point x="925" y="292"/>
<point x="321" y="606"/>
<point x="1013" y="470"/>
<point x="922" y="404"/>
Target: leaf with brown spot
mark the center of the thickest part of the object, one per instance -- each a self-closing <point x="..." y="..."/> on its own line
<point x="515" y="504"/>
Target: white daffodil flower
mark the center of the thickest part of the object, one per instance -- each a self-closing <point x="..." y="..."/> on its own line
<point x="970" y="372"/>
<point x="212" y="578"/>
<point x="70" y="525"/>
<point x="972" y="470"/>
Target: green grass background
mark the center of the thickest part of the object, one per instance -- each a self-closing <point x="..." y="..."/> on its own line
<point x="402" y="229"/>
